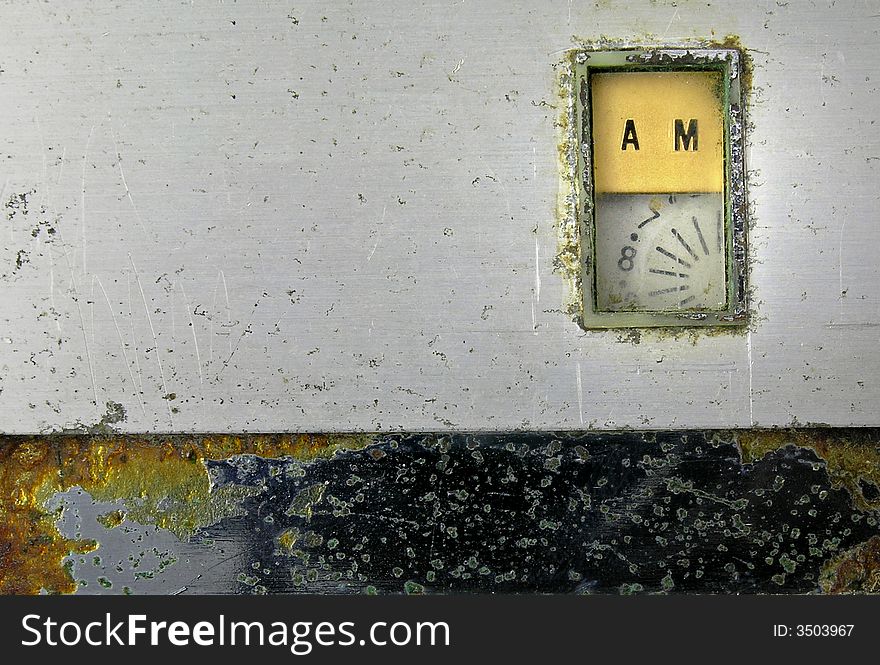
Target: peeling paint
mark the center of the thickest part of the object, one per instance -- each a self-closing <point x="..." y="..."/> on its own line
<point x="852" y="457"/>
<point x="162" y="479"/>
<point x="856" y="570"/>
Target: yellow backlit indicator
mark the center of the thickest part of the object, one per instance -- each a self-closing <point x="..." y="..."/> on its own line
<point x="657" y="132"/>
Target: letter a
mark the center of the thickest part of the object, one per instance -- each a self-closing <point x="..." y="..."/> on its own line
<point x="629" y="135"/>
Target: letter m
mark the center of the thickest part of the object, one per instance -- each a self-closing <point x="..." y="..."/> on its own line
<point x="685" y="139"/>
<point x="255" y="625"/>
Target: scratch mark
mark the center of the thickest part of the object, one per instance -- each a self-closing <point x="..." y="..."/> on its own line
<point x="729" y="401"/>
<point x="221" y="279"/>
<point x="751" y="400"/>
<point x="277" y="323"/>
<point x="192" y="326"/>
<point x="853" y="324"/>
<point x="840" y="291"/>
<point x="51" y="259"/>
<point x="378" y="233"/>
<point x="61" y="169"/>
<point x="82" y="200"/>
<point x="231" y="557"/>
<point x="226" y="189"/>
<point x="537" y="271"/>
<point x="677" y="484"/>
<point x="134" y="385"/>
<point x="137" y="213"/>
<point x="137" y="361"/>
<point x="228" y="311"/>
<point x="45" y="197"/>
<point x="91" y="303"/>
<point x="580" y="389"/>
<point x="43" y="176"/>
<point x="173" y="318"/>
<point x="82" y="325"/>
<point x="534" y="319"/>
<point x="211" y="319"/>
<point x="52" y="281"/>
<point x="155" y="339"/>
<point x="435" y="522"/>
<point x="246" y="331"/>
<point x="669" y="25"/>
<point x="455" y="69"/>
<point x="12" y="220"/>
<point x="506" y="191"/>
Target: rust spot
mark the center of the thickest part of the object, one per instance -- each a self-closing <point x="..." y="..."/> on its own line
<point x="287" y="539"/>
<point x="112" y="519"/>
<point x="856" y="570"/>
<point x="852" y="456"/>
<point x="162" y="479"/>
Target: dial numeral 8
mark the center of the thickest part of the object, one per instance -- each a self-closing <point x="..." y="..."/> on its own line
<point x="626" y="258"/>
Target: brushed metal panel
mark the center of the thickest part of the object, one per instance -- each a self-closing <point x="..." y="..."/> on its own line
<point x="334" y="217"/>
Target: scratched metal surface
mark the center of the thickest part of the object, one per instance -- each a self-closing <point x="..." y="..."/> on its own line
<point x="338" y="216"/>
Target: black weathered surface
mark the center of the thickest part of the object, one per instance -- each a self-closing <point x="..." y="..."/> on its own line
<point x="541" y="512"/>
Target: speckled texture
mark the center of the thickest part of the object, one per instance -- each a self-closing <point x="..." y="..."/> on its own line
<point x="545" y="513"/>
<point x="697" y="511"/>
<point x="325" y="216"/>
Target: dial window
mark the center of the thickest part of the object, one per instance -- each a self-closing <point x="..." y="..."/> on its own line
<point x="662" y="195"/>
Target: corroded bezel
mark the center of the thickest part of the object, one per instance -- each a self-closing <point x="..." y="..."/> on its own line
<point x="726" y="60"/>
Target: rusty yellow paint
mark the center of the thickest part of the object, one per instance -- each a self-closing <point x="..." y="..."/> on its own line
<point x="634" y="116"/>
<point x="856" y="570"/>
<point x="288" y="539"/>
<point x="112" y="519"/>
<point x="850" y="458"/>
<point x="162" y="479"/>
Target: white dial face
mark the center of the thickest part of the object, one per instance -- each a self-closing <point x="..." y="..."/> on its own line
<point x="660" y="252"/>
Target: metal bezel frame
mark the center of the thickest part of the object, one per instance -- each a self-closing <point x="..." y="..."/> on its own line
<point x="726" y="60"/>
